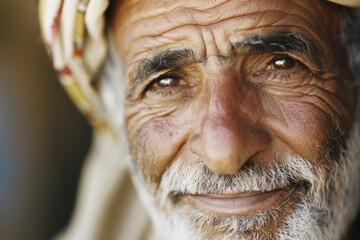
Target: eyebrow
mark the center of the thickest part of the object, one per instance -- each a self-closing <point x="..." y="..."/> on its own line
<point x="279" y="41"/>
<point x="167" y="59"/>
<point x="275" y="42"/>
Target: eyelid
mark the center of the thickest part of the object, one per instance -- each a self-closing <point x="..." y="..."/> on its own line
<point x="281" y="56"/>
<point x="165" y="75"/>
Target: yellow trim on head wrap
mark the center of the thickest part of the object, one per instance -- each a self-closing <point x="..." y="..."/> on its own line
<point x="74" y="35"/>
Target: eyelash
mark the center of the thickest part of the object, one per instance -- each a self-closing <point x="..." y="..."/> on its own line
<point x="284" y="76"/>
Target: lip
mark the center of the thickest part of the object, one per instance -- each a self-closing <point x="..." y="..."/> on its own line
<point x="237" y="203"/>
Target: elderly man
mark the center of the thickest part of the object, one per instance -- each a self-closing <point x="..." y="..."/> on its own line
<point x="240" y="117"/>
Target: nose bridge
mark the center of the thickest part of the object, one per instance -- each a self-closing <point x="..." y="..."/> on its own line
<point x="228" y="137"/>
<point x="224" y="124"/>
<point x="222" y="110"/>
<point x="227" y="103"/>
<point x="230" y="91"/>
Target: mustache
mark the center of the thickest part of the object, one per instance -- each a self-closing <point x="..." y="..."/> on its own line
<point x="197" y="179"/>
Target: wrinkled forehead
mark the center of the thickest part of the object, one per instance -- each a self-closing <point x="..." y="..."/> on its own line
<point x="137" y="23"/>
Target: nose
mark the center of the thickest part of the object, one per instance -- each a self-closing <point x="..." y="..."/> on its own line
<point x="228" y="137"/>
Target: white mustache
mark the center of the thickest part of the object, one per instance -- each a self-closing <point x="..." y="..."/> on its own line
<point x="182" y="179"/>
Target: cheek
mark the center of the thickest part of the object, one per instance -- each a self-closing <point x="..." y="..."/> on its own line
<point x="310" y="118"/>
<point x="155" y="138"/>
<point x="303" y="127"/>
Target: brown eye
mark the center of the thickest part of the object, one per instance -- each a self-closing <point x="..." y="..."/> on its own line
<point x="279" y="63"/>
<point x="167" y="82"/>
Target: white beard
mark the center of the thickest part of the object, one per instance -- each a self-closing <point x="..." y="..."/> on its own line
<point x="324" y="212"/>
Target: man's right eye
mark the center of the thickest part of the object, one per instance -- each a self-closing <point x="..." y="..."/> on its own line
<point x="164" y="83"/>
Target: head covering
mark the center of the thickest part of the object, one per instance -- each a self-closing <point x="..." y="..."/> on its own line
<point x="74" y="35"/>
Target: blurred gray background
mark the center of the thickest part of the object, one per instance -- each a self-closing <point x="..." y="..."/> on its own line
<point x="43" y="138"/>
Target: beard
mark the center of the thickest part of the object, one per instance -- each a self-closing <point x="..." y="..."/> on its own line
<point x="321" y="205"/>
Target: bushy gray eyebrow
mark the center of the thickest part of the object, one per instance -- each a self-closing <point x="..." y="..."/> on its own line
<point x="164" y="60"/>
<point x="275" y="42"/>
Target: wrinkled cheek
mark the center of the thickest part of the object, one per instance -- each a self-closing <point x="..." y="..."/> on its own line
<point x="305" y="128"/>
<point x="154" y="146"/>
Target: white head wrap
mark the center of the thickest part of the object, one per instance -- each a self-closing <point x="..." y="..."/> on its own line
<point x="74" y="35"/>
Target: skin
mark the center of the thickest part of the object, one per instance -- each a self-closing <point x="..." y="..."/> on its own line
<point x="226" y="108"/>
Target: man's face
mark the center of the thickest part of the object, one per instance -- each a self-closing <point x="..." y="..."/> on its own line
<point x="229" y="103"/>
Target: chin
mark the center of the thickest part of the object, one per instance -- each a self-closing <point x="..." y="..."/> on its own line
<point x="291" y="199"/>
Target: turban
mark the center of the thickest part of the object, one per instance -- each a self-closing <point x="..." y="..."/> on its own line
<point x="74" y="36"/>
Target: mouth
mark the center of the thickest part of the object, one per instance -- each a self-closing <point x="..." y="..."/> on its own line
<point x="244" y="203"/>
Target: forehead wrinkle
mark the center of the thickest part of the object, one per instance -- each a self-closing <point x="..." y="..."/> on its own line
<point x="249" y="17"/>
<point x="166" y="13"/>
<point x="153" y="28"/>
<point x="191" y="21"/>
<point x="152" y="45"/>
<point x="179" y="7"/>
<point x="306" y="11"/>
<point x="149" y="25"/>
<point x="210" y="15"/>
